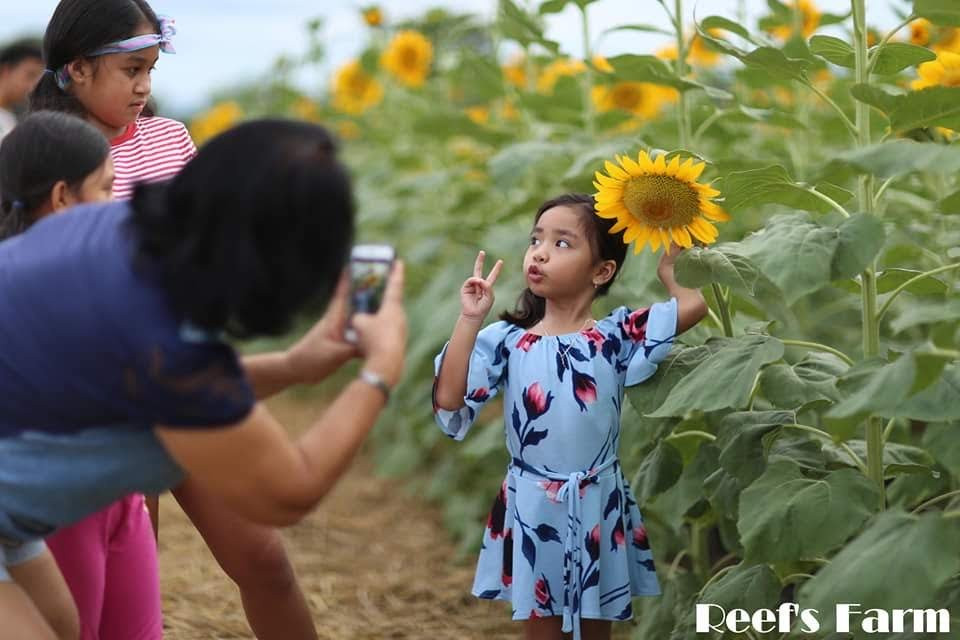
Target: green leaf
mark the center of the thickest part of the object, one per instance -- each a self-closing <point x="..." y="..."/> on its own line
<point x="736" y="363"/>
<point x="646" y="28"/>
<point x="648" y="396"/>
<point x="930" y="107"/>
<point x="785" y="516"/>
<point x="719" y="22"/>
<point x="636" y="68"/>
<point x="745" y="587"/>
<point x="813" y="379"/>
<point x="771" y="185"/>
<point x="875" y="97"/>
<point x="942" y="12"/>
<point x="834" y="50"/>
<point x="795" y="253"/>
<point x="701" y="266"/>
<point x="688" y="491"/>
<point x="897" y="56"/>
<point x="938" y="402"/>
<point x="899" y="157"/>
<point x="942" y="441"/>
<point x="659" y="471"/>
<point x="723" y="492"/>
<point x="892" y="557"/>
<point x="740" y="439"/>
<point x="874" y="386"/>
<point x="950" y="204"/>
<point x="890" y="279"/>
<point x="921" y="313"/>
<point x="516" y="24"/>
<point x="774" y="62"/>
<point x="514" y="161"/>
<point x="859" y="241"/>
<point x="897" y="458"/>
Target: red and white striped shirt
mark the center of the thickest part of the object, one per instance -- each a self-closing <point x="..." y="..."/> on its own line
<point x="150" y="150"/>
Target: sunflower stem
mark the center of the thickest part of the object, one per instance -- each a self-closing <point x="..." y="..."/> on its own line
<point x="868" y="279"/>
<point x="724" y="309"/>
<point x="851" y="127"/>
<point x="843" y="445"/>
<point x="588" y="74"/>
<point x="692" y="433"/>
<point x="683" y="116"/>
<point x="916" y="278"/>
<point x="818" y="347"/>
<point x="830" y="201"/>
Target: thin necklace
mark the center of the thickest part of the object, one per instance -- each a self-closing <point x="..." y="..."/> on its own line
<point x="566" y="349"/>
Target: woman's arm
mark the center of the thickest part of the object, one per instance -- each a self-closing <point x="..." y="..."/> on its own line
<point x="476" y="300"/>
<point x="320" y="352"/>
<point x="255" y="467"/>
<point x="691" y="306"/>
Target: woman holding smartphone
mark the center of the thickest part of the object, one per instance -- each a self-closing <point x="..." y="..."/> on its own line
<point x="139" y="389"/>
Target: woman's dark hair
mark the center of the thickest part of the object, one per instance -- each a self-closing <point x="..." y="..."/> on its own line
<point x="605" y="245"/>
<point x="43" y="149"/>
<point x="78" y="28"/>
<point x="257" y="225"/>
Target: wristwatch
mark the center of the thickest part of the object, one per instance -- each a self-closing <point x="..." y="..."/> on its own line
<point x="375" y="380"/>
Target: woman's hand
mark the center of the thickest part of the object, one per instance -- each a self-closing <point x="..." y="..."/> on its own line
<point x="667" y="260"/>
<point x="382" y="337"/>
<point x="323" y="349"/>
<point x="476" y="295"/>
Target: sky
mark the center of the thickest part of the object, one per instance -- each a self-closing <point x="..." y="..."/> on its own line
<point x="222" y="42"/>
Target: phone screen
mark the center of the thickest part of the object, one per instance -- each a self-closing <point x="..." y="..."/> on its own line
<point x="370" y="266"/>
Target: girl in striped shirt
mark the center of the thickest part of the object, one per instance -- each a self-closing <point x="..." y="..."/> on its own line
<point x="99" y="56"/>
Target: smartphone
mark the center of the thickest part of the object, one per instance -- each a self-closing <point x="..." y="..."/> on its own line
<point x="370" y="266"/>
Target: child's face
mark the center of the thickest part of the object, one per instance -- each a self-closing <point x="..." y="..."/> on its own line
<point x="18" y="80"/>
<point x="96" y="187"/>
<point x="114" y="88"/>
<point x="559" y="262"/>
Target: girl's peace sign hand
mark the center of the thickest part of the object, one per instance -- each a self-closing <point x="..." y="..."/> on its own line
<point x="476" y="295"/>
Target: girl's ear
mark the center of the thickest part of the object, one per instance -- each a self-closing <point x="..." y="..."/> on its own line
<point x="604" y="272"/>
<point x="61" y="197"/>
<point x="81" y="71"/>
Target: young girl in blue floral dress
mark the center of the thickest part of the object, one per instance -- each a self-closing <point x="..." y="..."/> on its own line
<point x="564" y="542"/>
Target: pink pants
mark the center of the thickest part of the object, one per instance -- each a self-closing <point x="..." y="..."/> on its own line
<point x="109" y="561"/>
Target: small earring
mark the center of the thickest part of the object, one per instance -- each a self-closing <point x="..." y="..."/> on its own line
<point x="596" y="286"/>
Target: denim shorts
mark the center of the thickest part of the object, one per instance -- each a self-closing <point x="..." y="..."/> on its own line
<point x="15" y="553"/>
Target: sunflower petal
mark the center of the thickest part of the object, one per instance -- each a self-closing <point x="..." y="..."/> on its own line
<point x="615" y="171"/>
<point x="664" y="237"/>
<point x="674" y="167"/>
<point x="714" y="212"/>
<point x="696" y="170"/>
<point x="654" y="239"/>
<point x="607" y="181"/>
<point x="631" y="166"/>
<point x="614" y="211"/>
<point x="631" y="234"/>
<point x="620" y="225"/>
<point x="659" y="165"/>
<point x="646" y="165"/>
<point x="681" y="237"/>
<point x="696" y="233"/>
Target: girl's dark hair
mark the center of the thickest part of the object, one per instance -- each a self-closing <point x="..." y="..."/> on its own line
<point x="78" y="28"/>
<point x="20" y="50"/>
<point x="257" y="225"/>
<point x="43" y="149"/>
<point x="606" y="246"/>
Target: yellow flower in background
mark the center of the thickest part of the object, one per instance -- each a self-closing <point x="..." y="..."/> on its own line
<point x="215" y="121"/>
<point x="601" y="64"/>
<point x="949" y="40"/>
<point x="668" y="52"/>
<point x="373" y="16"/>
<point x="557" y="69"/>
<point x="700" y="55"/>
<point x="810" y="18"/>
<point x="654" y="202"/>
<point x="305" y="109"/>
<point x="408" y="57"/>
<point x="944" y="71"/>
<point x="508" y="110"/>
<point x="639" y="98"/>
<point x="515" y="71"/>
<point x="355" y="90"/>
<point x="348" y="129"/>
<point x="478" y="114"/>
<point x="920" y="32"/>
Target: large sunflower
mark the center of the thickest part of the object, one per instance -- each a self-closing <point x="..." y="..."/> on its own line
<point x="656" y="202"/>
<point x="408" y="57"/>
<point x="639" y="98"/>
<point x="355" y="90"/>
<point x="557" y="69"/>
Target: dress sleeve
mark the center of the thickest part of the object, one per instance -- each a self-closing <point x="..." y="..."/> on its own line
<point x="646" y="337"/>
<point x="195" y="381"/>
<point x="486" y="371"/>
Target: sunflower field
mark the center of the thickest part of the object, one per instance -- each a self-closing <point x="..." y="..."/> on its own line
<point x="800" y="444"/>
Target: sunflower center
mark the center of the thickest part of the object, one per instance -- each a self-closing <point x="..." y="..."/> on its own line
<point x="627" y="96"/>
<point x="409" y="58"/>
<point x="661" y="201"/>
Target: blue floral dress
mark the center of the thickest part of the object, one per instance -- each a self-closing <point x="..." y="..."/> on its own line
<point x="564" y="536"/>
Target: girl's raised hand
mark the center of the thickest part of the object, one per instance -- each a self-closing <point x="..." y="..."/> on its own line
<point x="476" y="295"/>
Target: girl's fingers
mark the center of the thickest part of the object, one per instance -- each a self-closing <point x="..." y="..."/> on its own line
<point x="478" y="265"/>
<point x="495" y="272"/>
<point x="393" y="295"/>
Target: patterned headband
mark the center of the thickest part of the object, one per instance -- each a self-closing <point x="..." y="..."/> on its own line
<point x="164" y="39"/>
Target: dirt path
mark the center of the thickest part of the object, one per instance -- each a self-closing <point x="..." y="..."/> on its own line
<point x="374" y="562"/>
